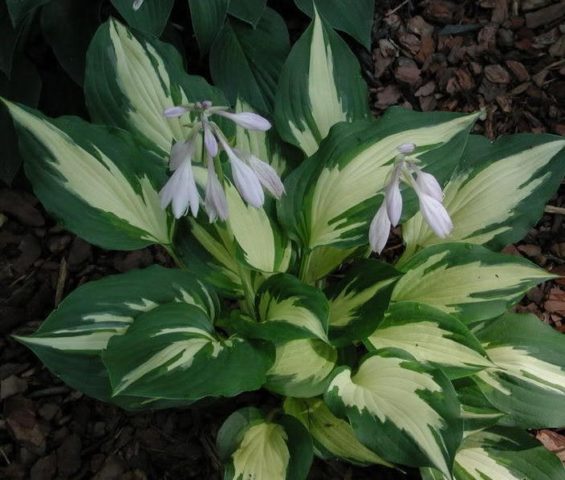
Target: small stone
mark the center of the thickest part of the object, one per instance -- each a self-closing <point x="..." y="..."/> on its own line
<point x="58" y="243"/>
<point x="44" y="469"/>
<point x="497" y="74"/>
<point x="12" y="386"/>
<point x="407" y="71"/>
<point x="20" y="206"/>
<point x="68" y="455"/>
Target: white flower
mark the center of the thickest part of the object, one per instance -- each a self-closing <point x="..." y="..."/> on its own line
<point x="435" y="215"/>
<point x="172" y="112"/>
<point x="137" y="4"/>
<point x="267" y="175"/>
<point x="428" y="184"/>
<point x="393" y="200"/>
<point x="379" y="230"/>
<point x="180" y="189"/>
<point x="210" y="140"/>
<point x="215" y="201"/>
<point x="247" y="182"/>
<point x="406" y="148"/>
<point x="247" y="120"/>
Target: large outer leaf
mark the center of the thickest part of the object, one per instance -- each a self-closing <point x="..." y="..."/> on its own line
<point x="359" y="301"/>
<point x="399" y="409"/>
<point x="332" y="436"/>
<point x="332" y="197"/>
<point x="528" y="382"/>
<point x="355" y="18"/>
<point x="431" y="337"/>
<point x="254" y="447"/>
<point x="466" y="280"/>
<point x="320" y="85"/>
<point x="79" y="330"/>
<point x="498" y="193"/>
<point x="95" y="179"/>
<point x="246" y="62"/>
<point x="151" y="18"/>
<point x="131" y="79"/>
<point x="173" y="352"/>
<point x="502" y="454"/>
<point x="208" y="18"/>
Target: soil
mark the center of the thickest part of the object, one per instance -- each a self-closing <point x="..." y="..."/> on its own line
<point x="503" y="56"/>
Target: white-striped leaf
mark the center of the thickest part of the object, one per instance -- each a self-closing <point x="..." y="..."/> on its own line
<point x="131" y="79"/>
<point x="359" y="301"/>
<point x="401" y="410"/>
<point x="528" y="382"/>
<point x="302" y="368"/>
<point x="431" y="337"/>
<point x="320" y="85"/>
<point x="79" y="330"/>
<point x="289" y="309"/>
<point x="245" y="62"/>
<point x="502" y="454"/>
<point x="498" y="193"/>
<point x="332" y="436"/>
<point x="96" y="180"/>
<point x="466" y="280"/>
<point x="208" y="252"/>
<point x="332" y="196"/>
<point x="324" y="260"/>
<point x="477" y="412"/>
<point x="255" y="447"/>
<point x="150" y="18"/>
<point x="173" y="352"/>
<point x="354" y="18"/>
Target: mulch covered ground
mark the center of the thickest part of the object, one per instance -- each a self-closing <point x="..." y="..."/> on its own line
<point x="506" y="56"/>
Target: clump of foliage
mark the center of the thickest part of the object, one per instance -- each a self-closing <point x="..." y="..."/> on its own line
<point x="415" y="363"/>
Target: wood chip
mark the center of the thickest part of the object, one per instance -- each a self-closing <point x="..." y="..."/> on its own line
<point x="497" y="74"/>
<point x="545" y="15"/>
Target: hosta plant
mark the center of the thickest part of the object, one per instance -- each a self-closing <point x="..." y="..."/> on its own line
<point x="277" y="216"/>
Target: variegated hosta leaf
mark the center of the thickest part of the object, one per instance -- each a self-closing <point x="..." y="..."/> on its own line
<point x="302" y="368"/>
<point x="498" y="193"/>
<point x="173" y="352"/>
<point x="466" y="280"/>
<point x="354" y="18"/>
<point x="150" y="18"/>
<point x="253" y="446"/>
<point x="359" y="301"/>
<point x="290" y="310"/>
<point x="324" y="260"/>
<point x="332" y="436"/>
<point x="528" y="382"/>
<point x="477" y="412"/>
<point x="131" y="79"/>
<point x="502" y="454"/>
<point x="320" y="85"/>
<point x="332" y="196"/>
<point x="399" y="409"/>
<point x="79" y="330"/>
<point x="94" y="179"/>
<point x="260" y="243"/>
<point x="432" y="337"/>
<point x="207" y="251"/>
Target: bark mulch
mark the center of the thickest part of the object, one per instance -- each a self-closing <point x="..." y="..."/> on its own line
<point x="506" y="57"/>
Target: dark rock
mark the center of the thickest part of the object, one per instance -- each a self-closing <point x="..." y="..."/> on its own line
<point x="44" y="469"/>
<point x="68" y="456"/>
<point x="20" y="206"/>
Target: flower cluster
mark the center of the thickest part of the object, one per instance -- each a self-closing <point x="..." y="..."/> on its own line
<point x="250" y="175"/>
<point x="430" y="196"/>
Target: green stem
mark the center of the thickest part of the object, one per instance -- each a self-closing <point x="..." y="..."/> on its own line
<point x="170" y="250"/>
<point x="248" y="291"/>
<point x="304" y="266"/>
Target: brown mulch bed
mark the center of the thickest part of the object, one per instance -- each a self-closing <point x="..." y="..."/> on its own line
<point x="504" y="56"/>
